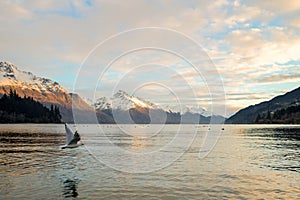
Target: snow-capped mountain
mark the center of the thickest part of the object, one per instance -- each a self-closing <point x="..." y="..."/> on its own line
<point x="41" y="89"/>
<point x="123" y="101"/>
<point x="139" y="110"/>
<point x="187" y="109"/>
<point x="12" y="76"/>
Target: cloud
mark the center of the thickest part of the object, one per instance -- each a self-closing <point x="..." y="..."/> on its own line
<point x="243" y="14"/>
<point x="13" y="12"/>
<point x="294" y="22"/>
<point x="263" y="47"/>
<point x="277" y="5"/>
<point x="292" y="76"/>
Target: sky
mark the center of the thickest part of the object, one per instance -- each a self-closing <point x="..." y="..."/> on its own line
<point x="236" y="52"/>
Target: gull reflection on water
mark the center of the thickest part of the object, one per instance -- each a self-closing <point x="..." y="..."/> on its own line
<point x="70" y="188"/>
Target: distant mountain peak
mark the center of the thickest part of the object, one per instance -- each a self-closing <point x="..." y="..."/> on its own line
<point x="123" y="101"/>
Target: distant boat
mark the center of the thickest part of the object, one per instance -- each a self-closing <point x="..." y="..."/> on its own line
<point x="72" y="139"/>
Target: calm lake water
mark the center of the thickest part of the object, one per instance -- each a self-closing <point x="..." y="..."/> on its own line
<point x="248" y="162"/>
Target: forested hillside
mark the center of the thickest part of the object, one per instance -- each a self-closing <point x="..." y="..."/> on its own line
<point x="15" y="109"/>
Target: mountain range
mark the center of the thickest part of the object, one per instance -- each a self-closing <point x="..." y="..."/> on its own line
<point x="120" y="108"/>
<point x="123" y="101"/>
<point x="142" y="111"/>
<point x="125" y="108"/>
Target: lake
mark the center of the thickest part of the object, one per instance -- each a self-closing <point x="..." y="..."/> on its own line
<point x="150" y="162"/>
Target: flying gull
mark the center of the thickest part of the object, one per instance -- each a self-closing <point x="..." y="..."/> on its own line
<point x="72" y="139"/>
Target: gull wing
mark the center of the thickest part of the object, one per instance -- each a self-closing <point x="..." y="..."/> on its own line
<point x="69" y="134"/>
